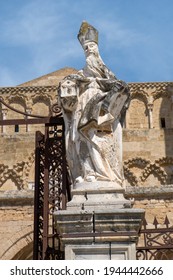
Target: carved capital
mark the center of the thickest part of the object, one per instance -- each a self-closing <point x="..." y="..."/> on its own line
<point x="150" y="107"/>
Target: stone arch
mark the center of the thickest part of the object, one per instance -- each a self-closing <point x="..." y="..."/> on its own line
<point x="13" y="176"/>
<point x="17" y="103"/>
<point x="164" y="160"/>
<point x="162" y="112"/>
<point x="160" y="94"/>
<point x="3" y="169"/>
<point x="137" y="113"/>
<point x="134" y="168"/>
<point x="140" y="162"/>
<point x="19" y="242"/>
<point x="19" y="99"/>
<point x="8" y="184"/>
<point x="27" y="169"/>
<point x="156" y="171"/>
<point x="167" y="164"/>
<point x="41" y="106"/>
<point x="25" y="253"/>
<point x="140" y="94"/>
<point x="44" y="99"/>
<point x="130" y="177"/>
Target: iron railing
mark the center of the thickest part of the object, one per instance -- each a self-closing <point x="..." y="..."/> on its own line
<point x="52" y="189"/>
<point x="156" y="241"/>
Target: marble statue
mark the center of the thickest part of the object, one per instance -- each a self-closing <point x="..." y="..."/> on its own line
<point x="94" y="102"/>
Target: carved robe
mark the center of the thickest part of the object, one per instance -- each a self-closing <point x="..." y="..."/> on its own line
<point x="94" y="104"/>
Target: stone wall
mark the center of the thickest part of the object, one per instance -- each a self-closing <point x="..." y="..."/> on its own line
<point x="147" y="145"/>
<point x="16" y="227"/>
<point x="156" y="200"/>
<point x="148" y="156"/>
<point x="17" y="161"/>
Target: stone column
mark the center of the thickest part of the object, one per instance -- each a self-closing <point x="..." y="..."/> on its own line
<point x="150" y="115"/>
<point x="99" y="223"/>
<point x="4" y="116"/>
<point x="28" y="111"/>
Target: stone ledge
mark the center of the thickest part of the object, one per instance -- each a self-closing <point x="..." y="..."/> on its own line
<point x="16" y="198"/>
<point x="79" y="226"/>
<point x="162" y="192"/>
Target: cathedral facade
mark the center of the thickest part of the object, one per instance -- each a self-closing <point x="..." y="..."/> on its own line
<point x="147" y="155"/>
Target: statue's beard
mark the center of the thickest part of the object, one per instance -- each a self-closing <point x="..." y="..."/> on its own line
<point x="95" y="66"/>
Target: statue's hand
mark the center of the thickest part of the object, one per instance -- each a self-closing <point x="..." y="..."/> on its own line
<point x="90" y="79"/>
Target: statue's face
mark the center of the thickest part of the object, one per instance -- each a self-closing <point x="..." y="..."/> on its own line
<point x="91" y="48"/>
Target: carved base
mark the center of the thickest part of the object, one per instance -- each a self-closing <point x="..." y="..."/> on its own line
<point x="104" y="251"/>
<point x="98" y="195"/>
<point x="99" y="234"/>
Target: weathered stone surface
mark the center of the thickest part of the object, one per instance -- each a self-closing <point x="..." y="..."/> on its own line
<point x="16" y="230"/>
<point x="98" y="195"/>
<point x="92" y="99"/>
<point x="155" y="146"/>
<point x="104" y="251"/>
<point x="83" y="229"/>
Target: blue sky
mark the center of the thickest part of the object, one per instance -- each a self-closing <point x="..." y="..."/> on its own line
<point x="40" y="36"/>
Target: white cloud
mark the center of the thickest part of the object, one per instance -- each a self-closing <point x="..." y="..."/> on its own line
<point x="53" y="57"/>
<point x="41" y="29"/>
<point x="44" y="36"/>
<point x="31" y="25"/>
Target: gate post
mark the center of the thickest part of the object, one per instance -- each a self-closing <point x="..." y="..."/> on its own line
<point x="51" y="188"/>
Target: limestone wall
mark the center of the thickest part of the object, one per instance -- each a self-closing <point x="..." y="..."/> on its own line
<point x="17" y="161"/>
<point x="16" y="227"/>
<point x="148" y="156"/>
<point x="147" y="145"/>
<point x="159" y="208"/>
<point x="156" y="200"/>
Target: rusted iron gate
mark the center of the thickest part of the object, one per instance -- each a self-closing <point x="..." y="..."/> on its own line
<point x="51" y="189"/>
<point x="51" y="179"/>
<point x="156" y="242"/>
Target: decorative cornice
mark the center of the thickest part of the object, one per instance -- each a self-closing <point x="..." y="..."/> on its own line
<point x="28" y="90"/>
<point x="159" y="86"/>
<point x="134" y="87"/>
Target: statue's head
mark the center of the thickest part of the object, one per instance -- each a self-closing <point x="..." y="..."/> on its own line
<point x="88" y="37"/>
<point x="87" y="33"/>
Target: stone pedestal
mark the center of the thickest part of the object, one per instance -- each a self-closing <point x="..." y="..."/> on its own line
<point x="103" y="251"/>
<point x="99" y="223"/>
<point x="99" y="234"/>
<point x="98" y="195"/>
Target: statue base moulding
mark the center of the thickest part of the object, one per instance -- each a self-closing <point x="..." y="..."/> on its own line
<point x="97" y="195"/>
<point x="99" y="234"/>
<point x="99" y="223"/>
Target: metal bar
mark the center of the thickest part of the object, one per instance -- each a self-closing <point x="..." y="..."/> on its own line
<point x="47" y="121"/>
<point x="64" y="171"/>
<point x="20" y="112"/>
<point x="57" y="120"/>
<point x="158" y="230"/>
<point x="154" y="247"/>
<point x="46" y="196"/>
<point x="36" y="199"/>
<point x="24" y="121"/>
